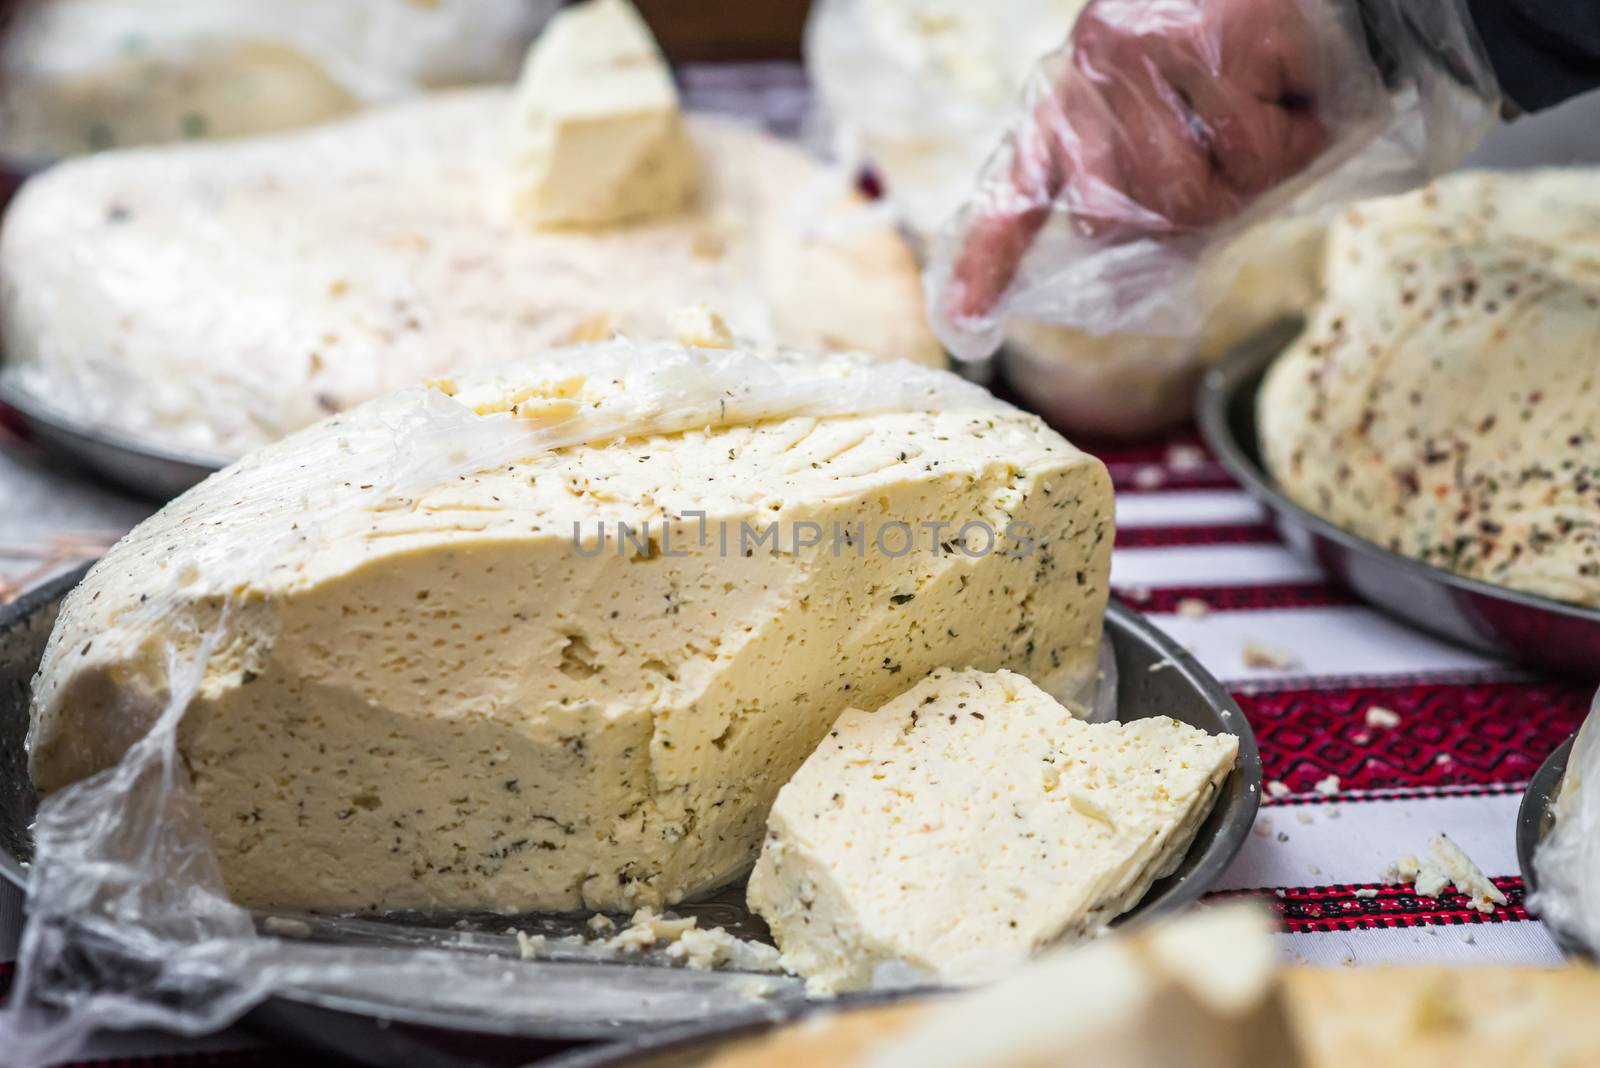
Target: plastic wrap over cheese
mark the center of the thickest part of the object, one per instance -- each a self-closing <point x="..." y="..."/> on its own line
<point x="1567" y="862"/>
<point x="130" y="922"/>
<point x="84" y="75"/>
<point x="1168" y="129"/>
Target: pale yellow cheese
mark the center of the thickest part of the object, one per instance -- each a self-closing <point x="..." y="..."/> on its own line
<point x="439" y="693"/>
<point x="597" y="137"/>
<point x="970" y="822"/>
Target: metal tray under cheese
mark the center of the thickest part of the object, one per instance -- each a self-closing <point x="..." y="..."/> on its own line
<point x="1501" y="622"/>
<point x="1155" y="677"/>
<point x="145" y="470"/>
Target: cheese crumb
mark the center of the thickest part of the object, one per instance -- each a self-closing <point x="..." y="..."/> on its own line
<point x="716" y="948"/>
<point x="685" y="941"/>
<point x="1259" y="655"/>
<point x="701" y="328"/>
<point x="529" y="947"/>
<point x="1378" y="716"/>
<point x="1277" y="789"/>
<point x="1149" y="478"/>
<point x="600" y="923"/>
<point x="1329" y="786"/>
<point x="1193" y="608"/>
<point x="287" y="927"/>
<point x="1366" y="893"/>
<point x="1447" y="866"/>
<point x="1304" y="817"/>
<point x="1185" y="457"/>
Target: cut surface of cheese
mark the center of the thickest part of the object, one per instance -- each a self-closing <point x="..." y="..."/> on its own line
<point x="970" y="822"/>
<point x="216" y="297"/>
<point x="597" y="136"/>
<point x="1443" y="401"/>
<point x="471" y="688"/>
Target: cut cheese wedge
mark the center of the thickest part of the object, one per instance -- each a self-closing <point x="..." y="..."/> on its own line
<point x="597" y="135"/>
<point x="970" y="822"/>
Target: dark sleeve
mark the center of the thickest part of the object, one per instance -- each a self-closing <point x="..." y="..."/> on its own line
<point x="1542" y="51"/>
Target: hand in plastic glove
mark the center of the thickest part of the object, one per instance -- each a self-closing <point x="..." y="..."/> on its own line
<point x="1170" y="115"/>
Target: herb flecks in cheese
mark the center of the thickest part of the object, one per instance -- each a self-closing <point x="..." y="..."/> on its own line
<point x="970" y="822"/>
<point x="1442" y="401"/>
<point x="426" y="693"/>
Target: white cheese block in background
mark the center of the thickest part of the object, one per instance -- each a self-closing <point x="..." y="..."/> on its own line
<point x="597" y="137"/>
<point x="970" y="822"/>
<point x="435" y="700"/>
<point x="216" y="297"/>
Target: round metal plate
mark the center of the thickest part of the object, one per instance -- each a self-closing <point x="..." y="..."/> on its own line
<point x="1155" y="677"/>
<point x="1491" y="619"/>
<point x="145" y="470"/>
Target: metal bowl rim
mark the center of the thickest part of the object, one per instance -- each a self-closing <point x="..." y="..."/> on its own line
<point x="1218" y="389"/>
<point x="32" y="408"/>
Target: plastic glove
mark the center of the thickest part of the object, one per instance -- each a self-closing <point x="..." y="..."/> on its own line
<point x="1168" y="127"/>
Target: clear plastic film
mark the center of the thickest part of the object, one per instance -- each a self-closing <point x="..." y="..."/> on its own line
<point x="1165" y="130"/>
<point x="1567" y="862"/>
<point x="91" y="74"/>
<point x="130" y="924"/>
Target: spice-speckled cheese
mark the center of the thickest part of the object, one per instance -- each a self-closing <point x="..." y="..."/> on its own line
<point x="970" y="822"/>
<point x="597" y="135"/>
<point x="217" y="297"/>
<point x="438" y="701"/>
<point x="1444" y="400"/>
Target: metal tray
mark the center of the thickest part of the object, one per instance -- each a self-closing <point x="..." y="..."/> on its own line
<point x="1504" y="623"/>
<point x="146" y="470"/>
<point x="143" y="469"/>
<point x="1535" y="817"/>
<point x="1155" y="677"/>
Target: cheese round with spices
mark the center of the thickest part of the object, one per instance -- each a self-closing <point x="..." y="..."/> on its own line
<point x="1444" y="400"/>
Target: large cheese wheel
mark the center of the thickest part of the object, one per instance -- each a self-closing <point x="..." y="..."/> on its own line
<point x="220" y="296"/>
<point x="1444" y="400"/>
<point x="461" y="694"/>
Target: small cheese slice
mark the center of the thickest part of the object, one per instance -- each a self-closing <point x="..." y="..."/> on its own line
<point x="597" y="135"/>
<point x="970" y="822"/>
